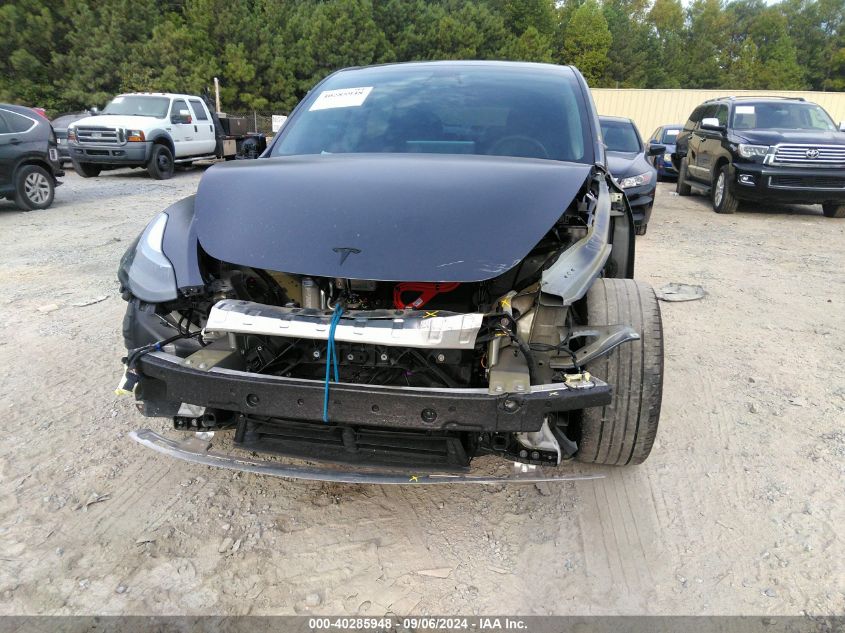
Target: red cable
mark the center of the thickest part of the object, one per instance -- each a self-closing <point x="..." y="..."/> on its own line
<point x="427" y="291"/>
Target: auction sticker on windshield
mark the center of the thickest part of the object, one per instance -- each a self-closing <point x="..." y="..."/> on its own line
<point x="342" y="98"/>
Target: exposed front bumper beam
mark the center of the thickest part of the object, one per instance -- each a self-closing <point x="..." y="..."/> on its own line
<point x="197" y="451"/>
<point x="168" y="377"/>
<point x="420" y="329"/>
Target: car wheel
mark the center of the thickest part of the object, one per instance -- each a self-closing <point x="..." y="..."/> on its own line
<point x="623" y="432"/>
<point x="34" y="188"/>
<point x="87" y="170"/>
<point x="834" y="210"/>
<point x="681" y="186"/>
<point x="160" y="166"/>
<point x="721" y="195"/>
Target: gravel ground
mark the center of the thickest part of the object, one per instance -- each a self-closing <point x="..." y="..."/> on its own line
<point x="738" y="511"/>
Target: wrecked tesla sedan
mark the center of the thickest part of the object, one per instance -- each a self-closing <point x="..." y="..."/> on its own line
<point x="429" y="263"/>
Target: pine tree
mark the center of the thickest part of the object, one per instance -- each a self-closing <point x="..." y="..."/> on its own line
<point x="633" y="44"/>
<point x="521" y="15"/>
<point x="69" y="54"/>
<point x="666" y="18"/>
<point x="706" y="43"/>
<point x="779" y="66"/>
<point x="531" y="46"/>
<point x="587" y="41"/>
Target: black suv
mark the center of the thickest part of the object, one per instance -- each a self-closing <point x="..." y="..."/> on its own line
<point x="762" y="149"/>
<point x="29" y="158"/>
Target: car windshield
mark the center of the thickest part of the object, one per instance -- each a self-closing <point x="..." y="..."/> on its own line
<point x="138" y="106"/>
<point x="620" y="136"/>
<point x="670" y="135"/>
<point x="516" y="111"/>
<point x="782" y="115"/>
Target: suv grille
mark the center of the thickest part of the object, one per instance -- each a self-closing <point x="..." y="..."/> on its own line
<point x="98" y="135"/>
<point x="807" y="182"/>
<point x="832" y="155"/>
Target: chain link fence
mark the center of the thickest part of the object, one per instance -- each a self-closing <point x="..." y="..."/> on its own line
<point x="257" y="121"/>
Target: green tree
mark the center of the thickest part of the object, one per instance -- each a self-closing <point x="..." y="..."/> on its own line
<point x="779" y="66"/>
<point x="103" y="46"/>
<point x="335" y="35"/>
<point x="760" y="53"/>
<point x="29" y="33"/>
<point x="837" y="64"/>
<point x="706" y="43"/>
<point x="816" y="28"/>
<point x="65" y="54"/>
<point x="531" y="46"/>
<point x="587" y="41"/>
<point x="632" y="51"/>
<point x="666" y="18"/>
<point x="472" y="32"/>
<point x="521" y="15"/>
<point x="745" y="70"/>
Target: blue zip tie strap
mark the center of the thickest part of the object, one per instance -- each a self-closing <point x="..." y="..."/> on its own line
<point x="331" y="359"/>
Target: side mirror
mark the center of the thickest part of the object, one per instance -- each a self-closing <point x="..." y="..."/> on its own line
<point x="93" y="110"/>
<point x="842" y="126"/>
<point x="656" y="150"/>
<point x="712" y="124"/>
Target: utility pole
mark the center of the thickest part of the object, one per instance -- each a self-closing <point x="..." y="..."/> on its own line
<point x="217" y="94"/>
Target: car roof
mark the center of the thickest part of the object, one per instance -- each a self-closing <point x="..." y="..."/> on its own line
<point x="21" y="110"/>
<point x="754" y="99"/>
<point x="158" y="94"/>
<point x="618" y="119"/>
<point x="468" y="63"/>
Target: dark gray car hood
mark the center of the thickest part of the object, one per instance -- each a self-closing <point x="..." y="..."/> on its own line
<point x="622" y="164"/>
<point x="406" y="217"/>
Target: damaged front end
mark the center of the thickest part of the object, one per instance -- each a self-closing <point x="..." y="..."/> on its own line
<point x="380" y="371"/>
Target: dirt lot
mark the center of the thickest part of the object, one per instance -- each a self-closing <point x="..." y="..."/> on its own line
<point x="738" y="511"/>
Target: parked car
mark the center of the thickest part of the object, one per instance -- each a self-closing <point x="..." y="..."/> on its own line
<point x="665" y="135"/>
<point x="157" y="131"/>
<point x="60" y="125"/>
<point x="628" y="162"/>
<point x="430" y="263"/>
<point x="29" y="158"/>
<point x="762" y="150"/>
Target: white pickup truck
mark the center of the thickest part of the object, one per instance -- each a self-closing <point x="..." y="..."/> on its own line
<point x="157" y="131"/>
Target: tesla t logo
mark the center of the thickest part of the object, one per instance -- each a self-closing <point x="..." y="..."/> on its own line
<point x="812" y="153"/>
<point x="345" y="252"/>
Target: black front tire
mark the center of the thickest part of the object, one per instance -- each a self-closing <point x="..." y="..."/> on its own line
<point x="623" y="432"/>
<point x="721" y="195"/>
<point x="161" y="165"/>
<point x="681" y="186"/>
<point x="834" y="210"/>
<point x="34" y="188"/>
<point x="642" y="227"/>
<point x="87" y="170"/>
